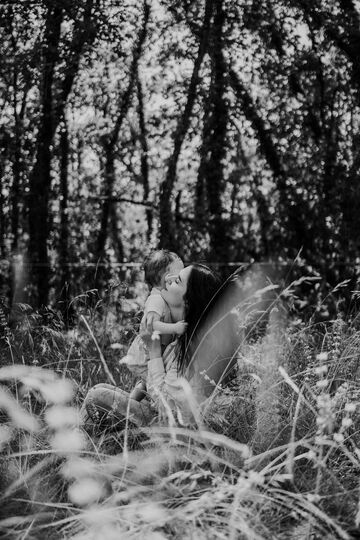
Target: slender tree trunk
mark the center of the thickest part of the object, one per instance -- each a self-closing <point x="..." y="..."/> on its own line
<point x="64" y="198"/>
<point x="201" y="201"/>
<point x="65" y="290"/>
<point x="178" y="217"/>
<point x="350" y="204"/>
<point x="266" y="143"/>
<point x="16" y="166"/>
<point x="219" y="115"/>
<point x="110" y="143"/>
<point x="167" y="228"/>
<point x="270" y="152"/>
<point x="210" y="180"/>
<point x="144" y="157"/>
<point x="40" y="178"/>
<point x="116" y="238"/>
<point x="109" y="177"/>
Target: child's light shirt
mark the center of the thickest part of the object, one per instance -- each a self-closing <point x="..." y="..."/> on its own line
<point x="137" y="354"/>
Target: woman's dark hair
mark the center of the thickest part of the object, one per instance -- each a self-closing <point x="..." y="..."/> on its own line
<point x="201" y="292"/>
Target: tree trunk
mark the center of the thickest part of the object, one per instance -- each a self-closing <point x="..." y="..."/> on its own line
<point x="201" y="203"/>
<point x="219" y="115"/>
<point x="167" y="228"/>
<point x="16" y="167"/>
<point x="116" y="238"/>
<point x="65" y="291"/>
<point x="52" y="111"/>
<point x="271" y="154"/>
<point x="144" y="157"/>
<point x="110" y="143"/>
<point x="40" y="178"/>
<point x="266" y="144"/>
<point x="109" y="178"/>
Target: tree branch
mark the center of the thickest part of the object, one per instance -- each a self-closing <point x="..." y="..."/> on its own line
<point x="166" y="218"/>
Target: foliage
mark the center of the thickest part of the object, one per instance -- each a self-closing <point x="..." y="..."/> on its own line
<point x="108" y="139"/>
<point x="277" y="455"/>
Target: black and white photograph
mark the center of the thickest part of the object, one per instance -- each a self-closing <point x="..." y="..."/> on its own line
<point x="179" y="269"/>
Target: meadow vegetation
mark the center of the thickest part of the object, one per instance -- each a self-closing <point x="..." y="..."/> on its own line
<point x="276" y="456"/>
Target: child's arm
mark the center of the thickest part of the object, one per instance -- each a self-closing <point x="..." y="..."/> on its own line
<point x="177" y="328"/>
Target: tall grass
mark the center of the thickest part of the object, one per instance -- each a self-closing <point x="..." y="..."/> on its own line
<point x="277" y="455"/>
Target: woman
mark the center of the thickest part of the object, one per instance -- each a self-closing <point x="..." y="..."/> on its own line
<point x="192" y="366"/>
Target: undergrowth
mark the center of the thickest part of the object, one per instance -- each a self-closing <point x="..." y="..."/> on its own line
<point x="276" y="457"/>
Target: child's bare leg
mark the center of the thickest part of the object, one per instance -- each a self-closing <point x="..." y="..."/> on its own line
<point x="139" y="391"/>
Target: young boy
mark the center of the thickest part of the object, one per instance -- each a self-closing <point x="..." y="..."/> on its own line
<point x="157" y="266"/>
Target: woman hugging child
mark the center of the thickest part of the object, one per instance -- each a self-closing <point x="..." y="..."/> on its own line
<point x="159" y="266"/>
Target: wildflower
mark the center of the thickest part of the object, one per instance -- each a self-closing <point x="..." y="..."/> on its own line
<point x="256" y="478"/>
<point x="322" y="357"/>
<point x="76" y="467"/>
<point x="311" y="455"/>
<point x="86" y="491"/>
<point x="116" y="346"/>
<point x="60" y="416"/>
<point x="67" y="441"/>
<point x="346" y="422"/>
<point x="350" y="407"/>
<point x="60" y="391"/>
<point x="152" y="512"/>
<point x="321" y="370"/>
<point x="322" y="384"/>
<point x="308" y="353"/>
<point x="5" y="435"/>
<point x="338" y="437"/>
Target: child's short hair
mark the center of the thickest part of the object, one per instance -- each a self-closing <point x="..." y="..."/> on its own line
<point x="155" y="265"/>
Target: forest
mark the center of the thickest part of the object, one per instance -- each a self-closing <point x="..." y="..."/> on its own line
<point x="131" y="125"/>
<point x="228" y="132"/>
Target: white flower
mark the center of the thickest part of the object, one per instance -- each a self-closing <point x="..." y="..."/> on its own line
<point x="86" y="491"/>
<point x="346" y="422"/>
<point x="60" y="416"/>
<point x="350" y="407"/>
<point x="60" y="391"/>
<point x="322" y="357"/>
<point x="311" y="455"/>
<point x="256" y="478"/>
<point x="321" y="370"/>
<point x="77" y="467"/>
<point x="5" y="435"/>
<point x="152" y="513"/>
<point x="67" y="441"/>
<point x="322" y="384"/>
<point x="338" y="437"/>
<point x="116" y="346"/>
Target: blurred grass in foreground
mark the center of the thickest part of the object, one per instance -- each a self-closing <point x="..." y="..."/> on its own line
<point x="277" y="456"/>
